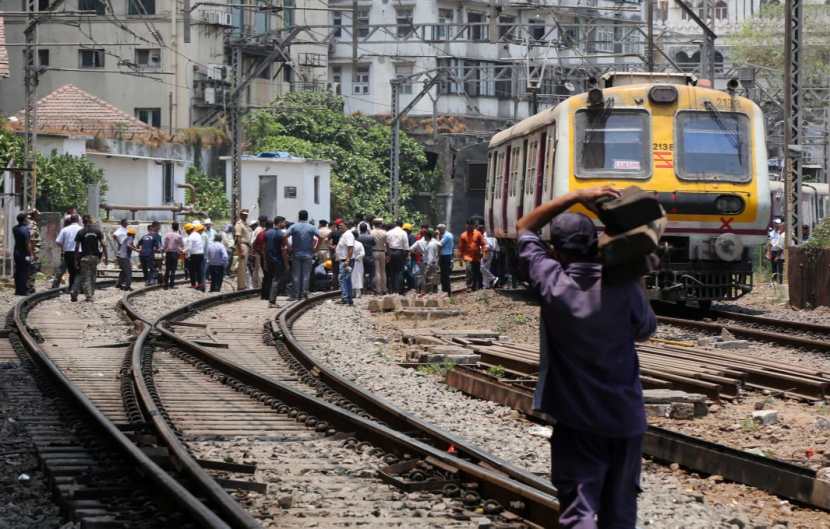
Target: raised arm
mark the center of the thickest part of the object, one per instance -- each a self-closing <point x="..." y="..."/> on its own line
<point x="542" y="214"/>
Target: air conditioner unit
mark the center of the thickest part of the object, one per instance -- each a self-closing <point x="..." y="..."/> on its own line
<point x="216" y="71"/>
<point x="227" y="19"/>
<point x="210" y="96"/>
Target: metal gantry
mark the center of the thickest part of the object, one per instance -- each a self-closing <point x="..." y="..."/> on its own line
<point x="793" y="26"/>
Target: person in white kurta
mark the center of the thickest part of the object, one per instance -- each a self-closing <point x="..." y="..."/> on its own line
<point x="357" y="269"/>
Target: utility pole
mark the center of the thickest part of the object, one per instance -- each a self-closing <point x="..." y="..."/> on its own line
<point x="793" y="24"/>
<point x="395" y="158"/>
<point x="650" y="35"/>
<point x="235" y="130"/>
<point x="30" y="81"/>
<point x="354" y="39"/>
<point x="707" y="50"/>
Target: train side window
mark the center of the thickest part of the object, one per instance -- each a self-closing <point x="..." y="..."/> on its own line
<point x="530" y="177"/>
<point x="548" y="174"/>
<point x="499" y="173"/>
<point x="613" y="144"/>
<point x="514" y="170"/>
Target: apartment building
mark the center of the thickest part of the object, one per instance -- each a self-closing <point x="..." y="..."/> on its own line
<point x="138" y="55"/>
<point x="487" y="46"/>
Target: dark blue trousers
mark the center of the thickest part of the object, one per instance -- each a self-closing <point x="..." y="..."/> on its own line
<point x="596" y="476"/>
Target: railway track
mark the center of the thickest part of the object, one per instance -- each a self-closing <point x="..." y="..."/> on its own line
<point x="239" y="366"/>
<point x="92" y="448"/>
<point x="760" y="328"/>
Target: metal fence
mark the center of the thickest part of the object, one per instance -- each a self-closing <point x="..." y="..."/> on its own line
<point x="809" y="277"/>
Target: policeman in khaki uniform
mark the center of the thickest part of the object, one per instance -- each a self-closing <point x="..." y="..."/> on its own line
<point x="242" y="241"/>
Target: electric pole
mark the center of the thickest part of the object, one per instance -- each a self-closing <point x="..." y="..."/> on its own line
<point x="793" y="24"/>
<point x="235" y="129"/>
<point x="30" y="81"/>
<point x="650" y="35"/>
<point x="395" y="158"/>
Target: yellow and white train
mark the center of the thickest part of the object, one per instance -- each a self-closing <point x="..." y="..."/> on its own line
<point x="702" y="150"/>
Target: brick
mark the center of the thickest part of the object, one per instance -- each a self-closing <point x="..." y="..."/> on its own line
<point x="682" y="410"/>
<point x="658" y="410"/>
<point x="765" y="417"/>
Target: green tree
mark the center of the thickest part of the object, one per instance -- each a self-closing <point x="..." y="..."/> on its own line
<point x="313" y="125"/>
<point x="11" y="148"/>
<point x="210" y="193"/>
<point x="62" y="181"/>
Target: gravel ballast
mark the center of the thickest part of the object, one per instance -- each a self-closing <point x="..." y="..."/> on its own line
<point x="365" y="350"/>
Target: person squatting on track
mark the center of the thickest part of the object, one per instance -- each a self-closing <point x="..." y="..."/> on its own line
<point x="589" y="380"/>
<point x="124" y="255"/>
<point x="173" y="246"/>
<point x="217" y="261"/>
<point x="89" y="246"/>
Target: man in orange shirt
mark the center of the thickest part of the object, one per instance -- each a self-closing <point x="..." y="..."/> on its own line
<point x="471" y="248"/>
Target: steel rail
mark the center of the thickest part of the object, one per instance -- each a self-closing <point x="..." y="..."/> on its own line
<point x="748" y="332"/>
<point x="171" y="488"/>
<point x="531" y="498"/>
<point x="386" y="411"/>
<point x="231" y="511"/>
<point x="772" y="322"/>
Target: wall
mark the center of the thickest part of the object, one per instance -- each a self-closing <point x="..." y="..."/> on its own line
<point x="466" y="202"/>
<point x="296" y="173"/>
<point x="73" y="146"/>
<point x="128" y="180"/>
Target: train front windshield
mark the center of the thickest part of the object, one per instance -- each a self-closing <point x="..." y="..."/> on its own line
<point x="713" y="146"/>
<point x="612" y="143"/>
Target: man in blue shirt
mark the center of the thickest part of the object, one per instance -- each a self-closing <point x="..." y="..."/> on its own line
<point x="589" y="374"/>
<point x="447" y="242"/>
<point x="304" y="240"/>
<point x="22" y="255"/>
<point x="149" y="244"/>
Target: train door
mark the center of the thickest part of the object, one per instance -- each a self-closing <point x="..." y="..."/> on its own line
<point x="540" y="168"/>
<point x="488" y="194"/>
<point x="510" y="162"/>
<point x="525" y="202"/>
<point x="518" y="167"/>
<point x="548" y="172"/>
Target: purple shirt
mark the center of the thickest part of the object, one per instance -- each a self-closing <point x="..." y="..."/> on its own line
<point x="589" y="374"/>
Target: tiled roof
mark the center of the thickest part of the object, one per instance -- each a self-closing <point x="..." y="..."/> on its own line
<point x="4" y="55"/>
<point x="72" y="110"/>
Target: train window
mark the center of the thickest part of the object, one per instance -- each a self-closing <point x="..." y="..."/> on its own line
<point x="530" y="177"/>
<point x="548" y="174"/>
<point x="499" y="174"/>
<point x="613" y="144"/>
<point x="514" y="170"/>
<point x="712" y="146"/>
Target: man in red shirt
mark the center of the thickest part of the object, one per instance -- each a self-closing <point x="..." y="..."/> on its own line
<point x="471" y="248"/>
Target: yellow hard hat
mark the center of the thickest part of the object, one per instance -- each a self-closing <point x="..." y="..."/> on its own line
<point x="407" y="226"/>
<point x="327" y="264"/>
<point x="200" y="228"/>
<point x="132" y="230"/>
<point x="188" y="227"/>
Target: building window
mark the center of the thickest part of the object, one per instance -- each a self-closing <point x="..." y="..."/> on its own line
<point x="289" y="192"/>
<point x="150" y="116"/>
<point x="405" y="70"/>
<point x="337" y="79"/>
<point x="92" y="5"/>
<point x="265" y="73"/>
<point x="43" y="5"/>
<point x="91" y="58"/>
<point x="504" y="82"/>
<point x="506" y="28"/>
<point x="476" y="27"/>
<point x="404" y="20"/>
<point x="317" y="189"/>
<point x="43" y="57"/>
<point x="603" y="39"/>
<point x="288" y="14"/>
<point x="363" y="21"/>
<point x="536" y="28"/>
<point x="141" y="7"/>
<point x="444" y="27"/>
<point x="149" y="59"/>
<point x="167" y="183"/>
<point x="337" y="23"/>
<point x="360" y="84"/>
<point x="287" y="74"/>
<point x="721" y="11"/>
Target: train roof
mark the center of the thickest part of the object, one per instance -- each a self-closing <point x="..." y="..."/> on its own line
<point x="823" y="188"/>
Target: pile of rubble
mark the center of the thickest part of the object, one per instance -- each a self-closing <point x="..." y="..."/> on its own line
<point x="415" y="307"/>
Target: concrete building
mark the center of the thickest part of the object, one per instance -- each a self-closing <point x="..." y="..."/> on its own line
<point x="280" y="184"/>
<point x="136" y="57"/>
<point x="142" y="166"/>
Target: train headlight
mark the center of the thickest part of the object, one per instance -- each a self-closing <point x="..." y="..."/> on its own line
<point x="728" y="247"/>
<point x="729" y="204"/>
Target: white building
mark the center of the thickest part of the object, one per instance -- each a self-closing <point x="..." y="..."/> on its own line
<point x="136" y="56"/>
<point x="141" y="165"/>
<point x="487" y="43"/>
<point x="283" y="186"/>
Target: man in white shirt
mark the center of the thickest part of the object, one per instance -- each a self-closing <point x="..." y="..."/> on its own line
<point x="428" y="248"/>
<point x="66" y="241"/>
<point x="777" y="244"/>
<point x="344" y="253"/>
<point x="195" y="247"/>
<point x="397" y="245"/>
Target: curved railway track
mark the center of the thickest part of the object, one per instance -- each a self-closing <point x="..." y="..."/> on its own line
<point x="226" y="353"/>
<point x="760" y="328"/>
<point x="91" y="447"/>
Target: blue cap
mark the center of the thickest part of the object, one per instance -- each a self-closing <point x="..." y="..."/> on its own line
<point x="574" y="232"/>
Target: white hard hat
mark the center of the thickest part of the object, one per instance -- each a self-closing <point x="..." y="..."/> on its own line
<point x="197" y="223"/>
<point x="207" y="221"/>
